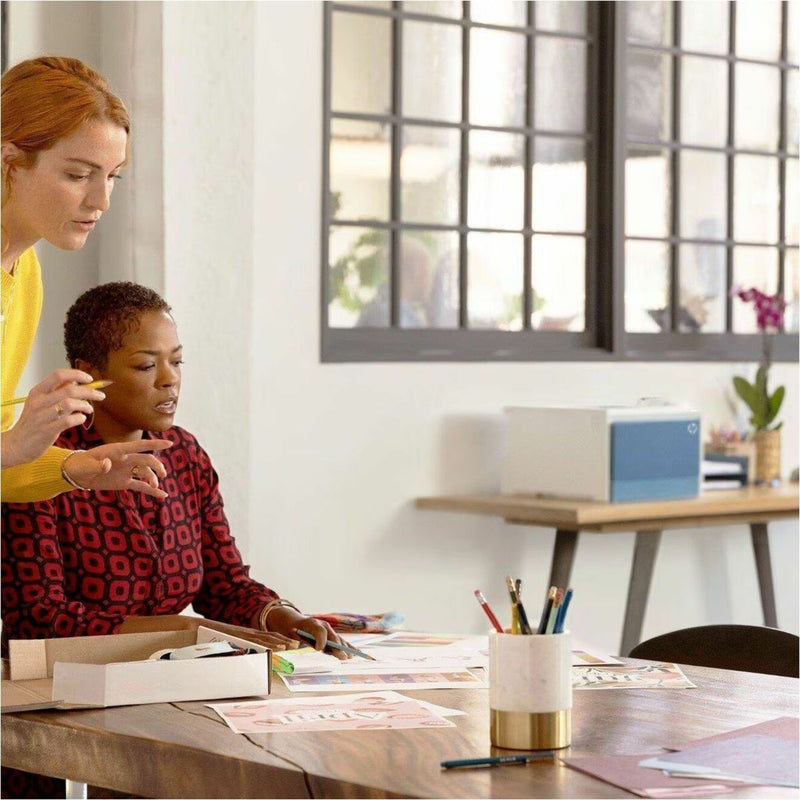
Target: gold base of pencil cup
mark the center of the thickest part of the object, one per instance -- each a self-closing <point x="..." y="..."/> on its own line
<point x="523" y="730"/>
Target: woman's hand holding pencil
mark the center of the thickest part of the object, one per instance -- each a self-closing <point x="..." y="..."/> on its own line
<point x="62" y="400"/>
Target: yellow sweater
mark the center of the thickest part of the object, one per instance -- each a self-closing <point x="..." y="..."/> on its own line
<point x="21" y="307"/>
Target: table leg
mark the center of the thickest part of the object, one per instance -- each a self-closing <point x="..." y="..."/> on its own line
<point x="76" y="790"/>
<point x="563" y="556"/>
<point x="644" y="559"/>
<point x="759" y="535"/>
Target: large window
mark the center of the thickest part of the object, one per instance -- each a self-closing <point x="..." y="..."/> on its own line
<point x="555" y="180"/>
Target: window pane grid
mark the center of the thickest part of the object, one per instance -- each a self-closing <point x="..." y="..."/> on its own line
<point x="489" y="140"/>
<point x="672" y="50"/>
<point x="464" y="21"/>
<point x="742" y="219"/>
<point x="485" y="152"/>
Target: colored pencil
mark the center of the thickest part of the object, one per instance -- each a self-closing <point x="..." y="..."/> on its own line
<point x="548" y="605"/>
<point x="92" y="385"/>
<point x="336" y="646"/>
<point x="489" y="613"/>
<point x="524" y="625"/>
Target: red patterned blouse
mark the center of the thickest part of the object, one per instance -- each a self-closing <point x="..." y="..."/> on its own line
<point x="79" y="564"/>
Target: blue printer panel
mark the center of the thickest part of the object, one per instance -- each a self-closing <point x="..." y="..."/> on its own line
<point x="655" y="460"/>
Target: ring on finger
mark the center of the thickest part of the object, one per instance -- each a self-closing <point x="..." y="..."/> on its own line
<point x="59" y="410"/>
<point x="135" y="471"/>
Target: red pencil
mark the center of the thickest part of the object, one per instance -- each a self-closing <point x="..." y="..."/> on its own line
<point x="489" y="613"/>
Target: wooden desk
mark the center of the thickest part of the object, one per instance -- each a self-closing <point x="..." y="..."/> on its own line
<point x="754" y="506"/>
<point x="185" y="750"/>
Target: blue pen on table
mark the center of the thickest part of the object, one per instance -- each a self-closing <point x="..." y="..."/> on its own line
<point x="562" y="612"/>
<point x="492" y="761"/>
<point x="336" y="646"/>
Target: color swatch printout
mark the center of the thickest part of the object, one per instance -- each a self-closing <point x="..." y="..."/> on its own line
<point x="369" y="711"/>
<point x="364" y="681"/>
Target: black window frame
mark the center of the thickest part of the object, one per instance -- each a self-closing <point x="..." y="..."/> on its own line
<point x="604" y="337"/>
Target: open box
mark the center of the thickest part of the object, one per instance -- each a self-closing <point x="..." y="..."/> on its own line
<point x="115" y="670"/>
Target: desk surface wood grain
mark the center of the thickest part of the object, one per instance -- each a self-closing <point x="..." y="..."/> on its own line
<point x="185" y="750"/>
<point x="750" y="504"/>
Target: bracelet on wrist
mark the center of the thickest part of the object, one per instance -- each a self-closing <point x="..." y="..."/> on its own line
<point x="271" y="606"/>
<point x="65" y="474"/>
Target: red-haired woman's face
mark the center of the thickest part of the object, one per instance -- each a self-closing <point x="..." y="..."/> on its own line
<point x="61" y="197"/>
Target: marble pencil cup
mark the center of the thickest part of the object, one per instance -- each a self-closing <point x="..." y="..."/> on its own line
<point x="530" y="690"/>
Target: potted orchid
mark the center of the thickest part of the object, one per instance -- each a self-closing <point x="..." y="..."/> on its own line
<point x="764" y="406"/>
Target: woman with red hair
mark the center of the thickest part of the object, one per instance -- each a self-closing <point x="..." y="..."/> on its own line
<point x="64" y="143"/>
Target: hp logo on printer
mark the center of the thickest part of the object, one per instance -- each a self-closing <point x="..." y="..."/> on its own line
<point x="692" y="428"/>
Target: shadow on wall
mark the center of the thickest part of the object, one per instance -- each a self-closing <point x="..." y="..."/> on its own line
<point x="470" y="458"/>
<point x="435" y="560"/>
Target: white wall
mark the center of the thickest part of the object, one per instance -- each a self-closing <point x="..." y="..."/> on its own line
<point x="320" y="463"/>
<point x="63" y="29"/>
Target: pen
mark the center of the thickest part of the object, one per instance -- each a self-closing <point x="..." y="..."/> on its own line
<point x="491" y="761"/>
<point x="548" y="605"/>
<point x="489" y="613"/>
<point x="92" y="385"/>
<point x="336" y="646"/>
<point x="562" y="612"/>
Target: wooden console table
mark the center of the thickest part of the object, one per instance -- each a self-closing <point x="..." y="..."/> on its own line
<point x="754" y="506"/>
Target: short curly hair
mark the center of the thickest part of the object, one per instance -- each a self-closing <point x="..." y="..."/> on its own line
<point x="100" y="319"/>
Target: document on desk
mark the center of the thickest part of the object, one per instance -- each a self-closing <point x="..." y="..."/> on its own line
<point x="363" y="681"/>
<point x="764" y="760"/>
<point x="370" y="711"/>
<point x="650" y="676"/>
<point x="308" y="660"/>
<point x="430" y="649"/>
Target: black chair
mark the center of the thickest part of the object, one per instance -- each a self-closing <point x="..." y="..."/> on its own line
<point x="747" y="648"/>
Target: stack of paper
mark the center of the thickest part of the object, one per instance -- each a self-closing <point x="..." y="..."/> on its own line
<point x="763" y="754"/>
<point x="763" y="758"/>
<point x="724" y="472"/>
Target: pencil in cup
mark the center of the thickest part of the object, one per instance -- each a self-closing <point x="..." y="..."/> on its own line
<point x="516" y="604"/>
<point x="92" y="385"/>
<point x="487" y="609"/>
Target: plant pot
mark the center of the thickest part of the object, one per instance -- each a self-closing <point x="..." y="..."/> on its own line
<point x="768" y="456"/>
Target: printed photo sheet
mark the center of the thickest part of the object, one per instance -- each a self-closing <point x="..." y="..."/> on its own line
<point x="365" y="681"/>
<point x="369" y="711"/>
<point x="651" y="676"/>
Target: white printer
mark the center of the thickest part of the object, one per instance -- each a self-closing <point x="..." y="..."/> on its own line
<point x="609" y="453"/>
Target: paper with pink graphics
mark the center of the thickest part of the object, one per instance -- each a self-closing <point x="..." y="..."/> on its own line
<point x="370" y="711"/>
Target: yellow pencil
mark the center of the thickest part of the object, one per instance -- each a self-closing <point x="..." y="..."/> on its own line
<point x="92" y="385"/>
